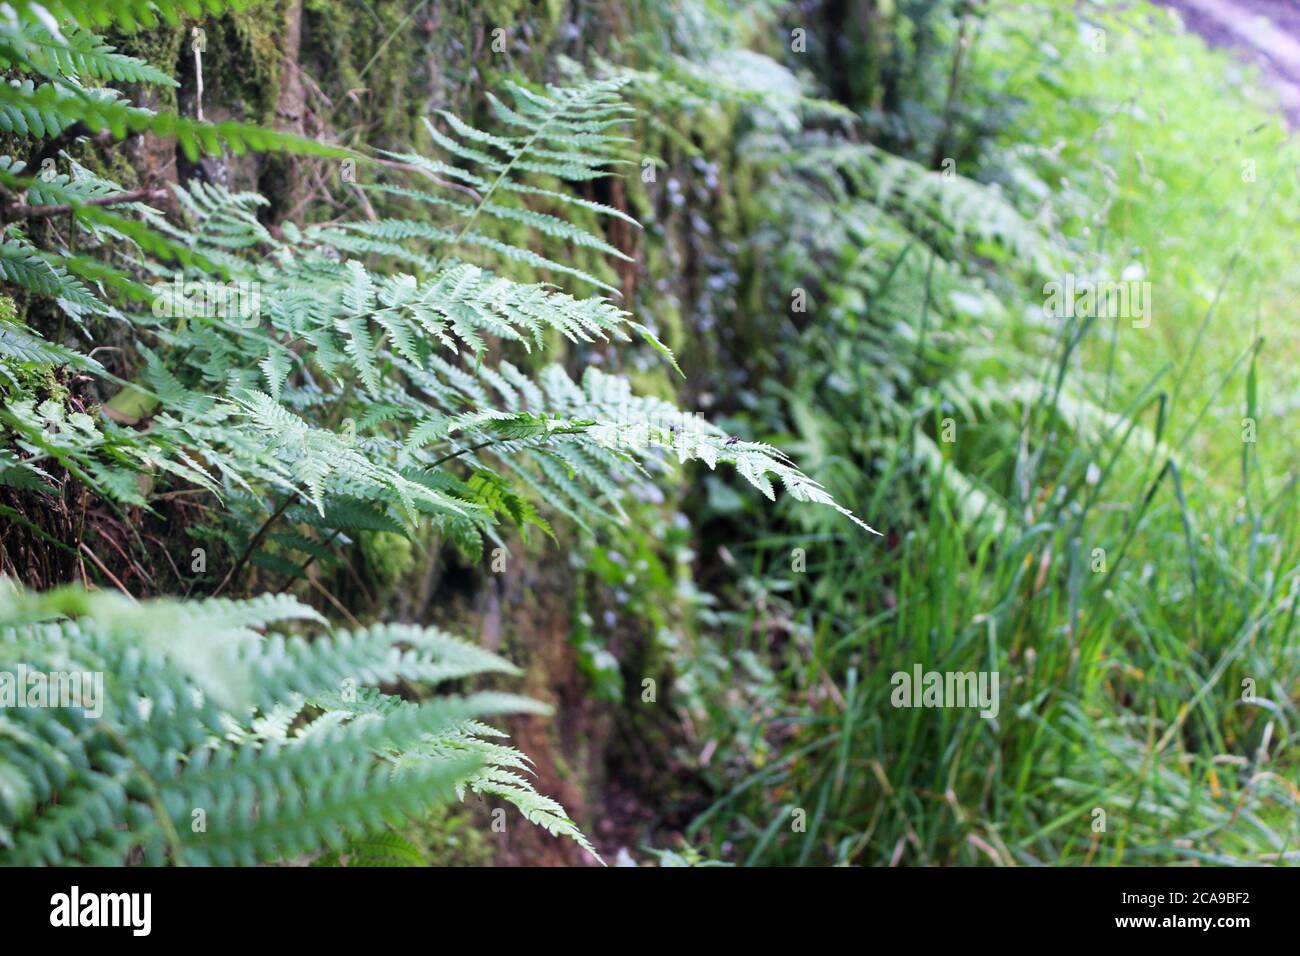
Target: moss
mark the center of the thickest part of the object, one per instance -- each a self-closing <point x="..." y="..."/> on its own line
<point x="454" y="836"/>
<point x="160" y="47"/>
<point x="31" y="378"/>
<point x="259" y="28"/>
<point x="388" y="557"/>
<point x="241" y="65"/>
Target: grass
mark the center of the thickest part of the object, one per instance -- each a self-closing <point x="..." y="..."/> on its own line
<point x="1168" y="156"/>
<point x="1098" y="532"/>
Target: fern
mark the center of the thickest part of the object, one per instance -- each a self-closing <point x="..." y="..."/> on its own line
<point x="128" y="14"/>
<point x="361" y="328"/>
<point x="221" y="746"/>
<point x="381" y="849"/>
<point x="77" y="53"/>
<point x="564" y="133"/>
<point x="47" y="109"/>
<point x="369" y="390"/>
<point x="948" y="211"/>
<point x="23" y="264"/>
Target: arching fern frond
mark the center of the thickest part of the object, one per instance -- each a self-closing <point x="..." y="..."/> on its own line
<point x="230" y="748"/>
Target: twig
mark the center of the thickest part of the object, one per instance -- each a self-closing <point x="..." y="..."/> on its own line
<point x="255" y="542"/>
<point x="19" y="211"/>
<point x="970" y="9"/>
<point x="107" y="573"/>
<point x="337" y="603"/>
<point x="302" y="568"/>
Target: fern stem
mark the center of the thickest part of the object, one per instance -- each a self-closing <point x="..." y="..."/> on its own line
<point x="17" y="211"/>
<point x="255" y="542"/>
<point x="501" y="177"/>
<point x="107" y="573"/>
<point x="466" y="451"/>
<point x="344" y="395"/>
<point x="311" y="558"/>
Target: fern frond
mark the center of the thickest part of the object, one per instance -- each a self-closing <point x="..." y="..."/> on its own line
<point x="128" y="14"/>
<point x="77" y="53"/>
<point x="50" y="108"/>
<point x="23" y="264"/>
<point x="158" y="759"/>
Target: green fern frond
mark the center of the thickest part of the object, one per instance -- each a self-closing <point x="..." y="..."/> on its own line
<point x="48" y="109"/>
<point x="20" y="344"/>
<point x="77" y="53"/>
<point x="128" y="14"/>
<point x="23" y="264"/>
<point x="151" y="760"/>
